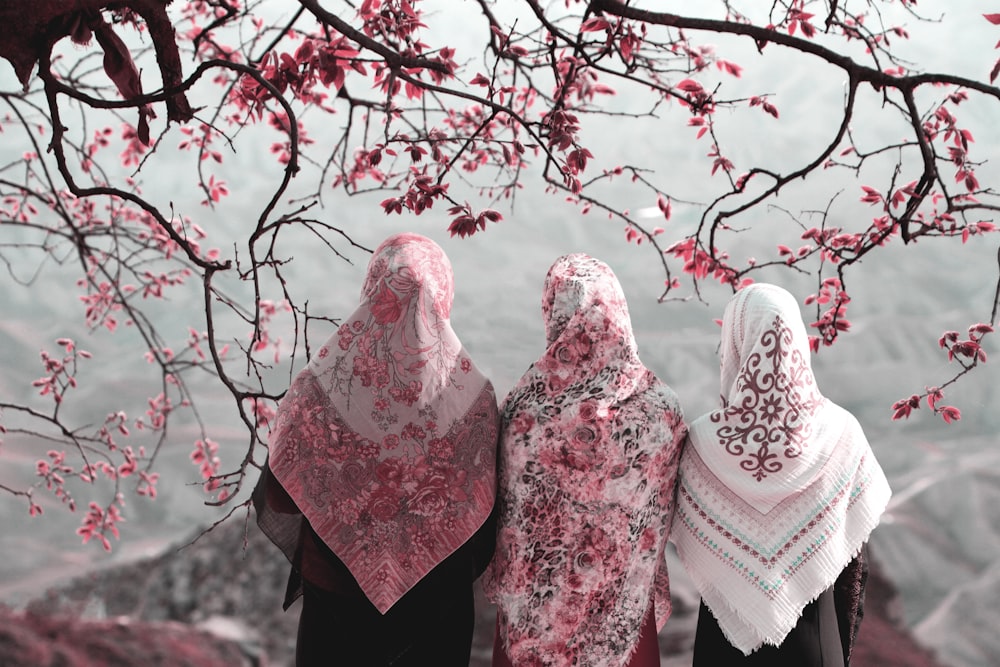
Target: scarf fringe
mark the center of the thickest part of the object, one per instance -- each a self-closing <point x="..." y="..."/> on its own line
<point x="748" y="637"/>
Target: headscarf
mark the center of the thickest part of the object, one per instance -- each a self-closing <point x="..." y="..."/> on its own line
<point x="386" y="441"/>
<point x="588" y="458"/>
<point x="779" y="489"/>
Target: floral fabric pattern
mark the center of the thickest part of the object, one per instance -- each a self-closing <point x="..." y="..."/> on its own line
<point x="386" y="441"/>
<point x="588" y="458"/>
<point x="779" y="488"/>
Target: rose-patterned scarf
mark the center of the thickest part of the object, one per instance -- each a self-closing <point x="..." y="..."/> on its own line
<point x="588" y="459"/>
<point x="779" y="488"/>
<point x="386" y="441"/>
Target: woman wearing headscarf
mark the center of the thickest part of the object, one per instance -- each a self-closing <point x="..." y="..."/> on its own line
<point x="588" y="459"/>
<point x="380" y="481"/>
<point x="779" y="491"/>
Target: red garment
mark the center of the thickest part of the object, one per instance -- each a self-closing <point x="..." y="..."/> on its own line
<point x="588" y="457"/>
<point x="386" y="441"/>
<point x="645" y="654"/>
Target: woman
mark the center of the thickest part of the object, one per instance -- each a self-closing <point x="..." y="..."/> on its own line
<point x="381" y="475"/>
<point x="588" y="458"/>
<point x="778" y="493"/>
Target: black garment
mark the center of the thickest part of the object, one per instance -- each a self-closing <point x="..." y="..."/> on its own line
<point x="431" y="624"/>
<point x="823" y="637"/>
<point x="849" y="598"/>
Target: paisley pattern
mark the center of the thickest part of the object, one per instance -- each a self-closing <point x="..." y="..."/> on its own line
<point x="779" y="488"/>
<point x="386" y="441"/>
<point x="589" y="452"/>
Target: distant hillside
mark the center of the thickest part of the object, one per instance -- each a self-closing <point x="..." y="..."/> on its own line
<point x="216" y="604"/>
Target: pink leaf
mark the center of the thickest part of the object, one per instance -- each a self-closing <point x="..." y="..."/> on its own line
<point x="594" y="24"/>
<point x="871" y="196"/>
<point x="665" y="206"/>
<point x="950" y="413"/>
<point x="903" y="408"/>
<point x="690" y="86"/>
<point x="491" y="215"/>
<point x="992" y="18"/>
<point x="730" y="68"/>
<point x="934" y="395"/>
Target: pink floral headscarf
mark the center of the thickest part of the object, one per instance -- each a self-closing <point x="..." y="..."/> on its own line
<point x="386" y="441"/>
<point x="779" y="488"/>
<point x="588" y="457"/>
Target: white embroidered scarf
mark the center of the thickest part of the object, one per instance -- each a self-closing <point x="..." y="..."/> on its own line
<point x="779" y="488"/>
<point x="386" y="441"/>
<point x="588" y="460"/>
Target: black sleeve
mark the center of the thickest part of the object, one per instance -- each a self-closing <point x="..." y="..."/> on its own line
<point x="274" y="493"/>
<point x="849" y="594"/>
<point x="483" y="543"/>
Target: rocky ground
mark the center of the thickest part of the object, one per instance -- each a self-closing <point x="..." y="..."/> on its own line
<point x="218" y="603"/>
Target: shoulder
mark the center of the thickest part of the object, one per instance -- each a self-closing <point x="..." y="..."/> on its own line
<point x="483" y="407"/>
<point x="833" y="416"/>
<point x="530" y="383"/>
<point x="657" y="404"/>
<point x="833" y="410"/>
<point x="488" y="392"/>
<point x="660" y="396"/>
